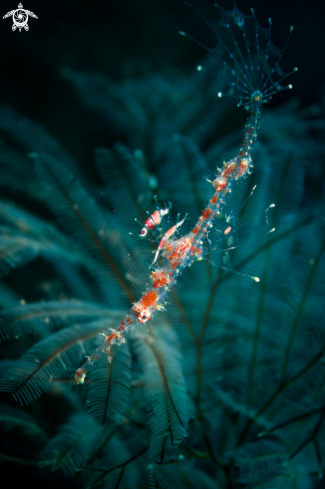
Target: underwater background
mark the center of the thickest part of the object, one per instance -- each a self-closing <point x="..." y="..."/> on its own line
<point x="227" y="390"/>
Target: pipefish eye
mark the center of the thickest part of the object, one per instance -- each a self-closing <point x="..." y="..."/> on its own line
<point x="143" y="233"/>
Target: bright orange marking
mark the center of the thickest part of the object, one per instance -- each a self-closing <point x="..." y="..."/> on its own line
<point x="230" y="168"/>
<point x="206" y="213"/>
<point x="160" y="279"/>
<point x="138" y="306"/>
<point x="214" y="199"/>
<point x="219" y="183"/>
<point x="243" y="165"/>
<point x="110" y="337"/>
<point x="149" y="298"/>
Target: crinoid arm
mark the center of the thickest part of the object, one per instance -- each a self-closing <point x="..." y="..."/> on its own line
<point x="246" y="56"/>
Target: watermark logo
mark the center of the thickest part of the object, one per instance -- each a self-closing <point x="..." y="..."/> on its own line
<point x="20" y="18"/>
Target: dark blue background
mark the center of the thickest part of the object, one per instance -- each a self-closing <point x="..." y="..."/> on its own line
<point x="121" y="37"/>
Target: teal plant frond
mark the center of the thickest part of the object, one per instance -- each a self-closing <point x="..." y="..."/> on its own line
<point x="166" y="391"/>
<point x="30" y="137"/>
<point x="183" y="174"/>
<point x="151" y="109"/>
<point x="105" y="96"/>
<point x="17" y="418"/>
<point x="25" y="222"/>
<point x="122" y="174"/>
<point x="43" y="318"/>
<point x="270" y="456"/>
<point x="156" y="480"/>
<point x="108" y="387"/>
<point x="69" y="448"/>
<point x="29" y="237"/>
<point x="184" y="469"/>
<point x="79" y="214"/>
<point x="17" y="174"/>
<point x="116" y="467"/>
<point x="50" y="359"/>
<point x="17" y="249"/>
<point x="8" y="297"/>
